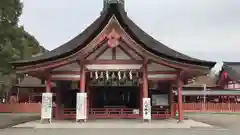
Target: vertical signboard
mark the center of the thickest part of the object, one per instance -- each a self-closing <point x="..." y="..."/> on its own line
<point x="146" y="109"/>
<point x="46" y="110"/>
<point x="81" y="108"/>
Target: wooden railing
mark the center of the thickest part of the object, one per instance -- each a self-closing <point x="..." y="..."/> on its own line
<point x="211" y="107"/>
<point x="112" y="113"/>
<point x="158" y="112"/>
<point x="116" y="113"/>
<point x="69" y="113"/>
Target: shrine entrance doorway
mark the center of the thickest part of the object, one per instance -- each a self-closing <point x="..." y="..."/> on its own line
<point x="114" y="94"/>
<point x="114" y="102"/>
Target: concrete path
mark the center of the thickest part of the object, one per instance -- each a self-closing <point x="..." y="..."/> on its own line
<point x="168" y="124"/>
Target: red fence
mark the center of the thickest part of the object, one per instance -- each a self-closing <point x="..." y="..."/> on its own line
<point x="211" y="107"/>
<point x="188" y="107"/>
<point x="20" y="108"/>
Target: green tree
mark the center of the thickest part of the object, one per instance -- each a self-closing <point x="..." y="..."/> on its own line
<point x="15" y="42"/>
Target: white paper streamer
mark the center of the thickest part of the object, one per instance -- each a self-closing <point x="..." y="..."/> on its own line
<point x="119" y="75"/>
<point x="96" y="74"/>
<point x="107" y="75"/>
<point x="130" y="75"/>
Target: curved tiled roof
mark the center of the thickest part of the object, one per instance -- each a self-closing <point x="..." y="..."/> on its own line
<point x="142" y="38"/>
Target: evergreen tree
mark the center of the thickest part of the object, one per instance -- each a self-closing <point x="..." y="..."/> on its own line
<point x="15" y="42"/>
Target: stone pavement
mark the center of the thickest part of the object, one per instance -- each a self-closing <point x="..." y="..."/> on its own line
<point x="222" y="125"/>
<point x="11" y="119"/>
<point x="167" y="124"/>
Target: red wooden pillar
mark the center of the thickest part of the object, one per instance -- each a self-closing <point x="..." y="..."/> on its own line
<point x="144" y="92"/>
<point x="180" y="104"/>
<point x="145" y="81"/>
<point x="141" y="100"/>
<point x="83" y="83"/>
<point x="48" y="83"/>
<point x="171" y="102"/>
<point x="88" y="98"/>
<point x="82" y="79"/>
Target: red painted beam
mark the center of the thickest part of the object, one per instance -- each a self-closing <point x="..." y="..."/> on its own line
<point x="64" y="72"/>
<point x="101" y="52"/>
<point x="126" y="52"/>
<point x="113" y="62"/>
<point x="123" y="40"/>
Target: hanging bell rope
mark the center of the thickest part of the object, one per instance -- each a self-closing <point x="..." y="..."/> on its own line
<point x="119" y="75"/>
<point x="107" y="75"/>
<point x="130" y="75"/>
<point x="96" y="74"/>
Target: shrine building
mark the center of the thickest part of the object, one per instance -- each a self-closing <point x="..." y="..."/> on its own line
<point x="118" y="65"/>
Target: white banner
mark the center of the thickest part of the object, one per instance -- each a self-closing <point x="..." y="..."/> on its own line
<point x="147" y="109"/>
<point x="46" y="111"/>
<point x="81" y="108"/>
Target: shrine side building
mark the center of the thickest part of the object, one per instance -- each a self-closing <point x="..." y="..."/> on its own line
<point x="118" y="65"/>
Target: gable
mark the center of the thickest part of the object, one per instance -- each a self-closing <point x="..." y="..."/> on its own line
<point x="120" y="52"/>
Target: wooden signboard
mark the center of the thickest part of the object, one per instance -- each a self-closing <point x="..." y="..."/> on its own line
<point x="81" y="106"/>
<point x="46" y="110"/>
<point x="147" y="109"/>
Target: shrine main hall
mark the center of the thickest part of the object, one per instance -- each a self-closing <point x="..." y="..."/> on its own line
<point x="123" y="71"/>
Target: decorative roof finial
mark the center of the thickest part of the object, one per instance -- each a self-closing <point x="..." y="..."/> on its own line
<point x="107" y="2"/>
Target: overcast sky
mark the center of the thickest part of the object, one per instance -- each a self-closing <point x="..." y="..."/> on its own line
<point x="206" y="29"/>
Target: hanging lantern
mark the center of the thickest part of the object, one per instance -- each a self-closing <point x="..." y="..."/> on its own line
<point x="101" y="75"/>
<point x="130" y="75"/>
<point x="107" y="75"/>
<point x="119" y="75"/>
<point x="96" y="74"/>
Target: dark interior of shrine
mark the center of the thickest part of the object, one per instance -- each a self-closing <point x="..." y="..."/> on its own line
<point x="115" y="97"/>
<point x="68" y="93"/>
